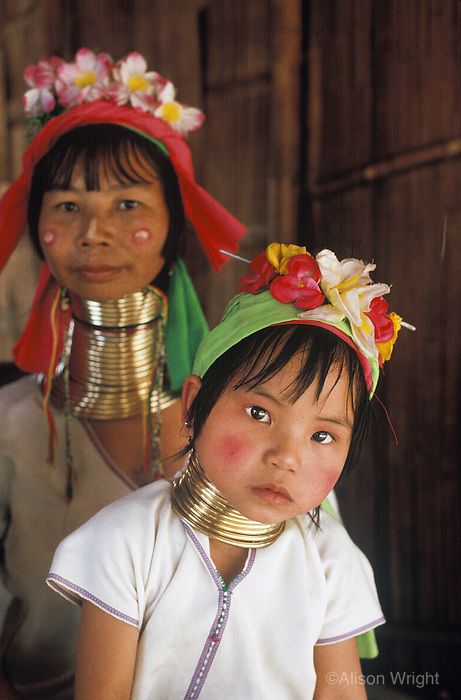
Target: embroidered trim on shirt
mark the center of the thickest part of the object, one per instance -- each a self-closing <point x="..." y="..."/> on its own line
<point x="352" y="633"/>
<point x="53" y="580"/>
<point x="219" y="623"/>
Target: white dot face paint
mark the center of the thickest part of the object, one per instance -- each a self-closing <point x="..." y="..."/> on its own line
<point x="142" y="236"/>
<point x="50" y="236"/>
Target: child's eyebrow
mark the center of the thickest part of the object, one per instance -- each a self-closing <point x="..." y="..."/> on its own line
<point x="344" y="422"/>
<point x="266" y="395"/>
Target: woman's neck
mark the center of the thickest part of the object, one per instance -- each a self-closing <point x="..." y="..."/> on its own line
<point x="114" y="357"/>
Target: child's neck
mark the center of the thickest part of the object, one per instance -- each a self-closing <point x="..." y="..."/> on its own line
<point x="228" y="559"/>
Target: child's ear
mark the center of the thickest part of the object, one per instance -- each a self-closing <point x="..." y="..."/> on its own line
<point x="190" y="389"/>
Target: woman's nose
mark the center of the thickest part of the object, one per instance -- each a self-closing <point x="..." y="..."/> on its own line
<point x="94" y="232"/>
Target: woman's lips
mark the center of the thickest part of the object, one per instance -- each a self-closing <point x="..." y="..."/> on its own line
<point x="97" y="273"/>
<point x="273" y="493"/>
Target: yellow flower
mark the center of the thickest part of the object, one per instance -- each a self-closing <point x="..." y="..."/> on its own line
<point x="279" y="254"/>
<point x="385" y="349"/>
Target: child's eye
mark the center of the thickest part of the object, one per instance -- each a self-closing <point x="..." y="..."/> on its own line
<point x="126" y="204"/>
<point x="259" y="414"/>
<point x="67" y="206"/>
<point x="323" y="437"/>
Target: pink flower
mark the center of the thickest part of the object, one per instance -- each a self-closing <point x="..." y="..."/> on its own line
<point x="179" y="117"/>
<point x="85" y="80"/>
<point x="263" y="273"/>
<point x="134" y="83"/>
<point x="40" y="79"/>
<point x="384" y="326"/>
<point x="299" y="284"/>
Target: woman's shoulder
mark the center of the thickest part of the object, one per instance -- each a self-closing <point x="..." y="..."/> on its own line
<point x="21" y="391"/>
<point x="21" y="406"/>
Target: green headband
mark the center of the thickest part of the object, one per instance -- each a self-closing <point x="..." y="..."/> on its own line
<point x="249" y="313"/>
<point x="289" y="285"/>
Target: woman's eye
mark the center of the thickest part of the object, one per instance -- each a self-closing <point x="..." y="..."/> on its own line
<point x="323" y="437"/>
<point x="128" y="204"/>
<point x="67" y="206"/>
<point x="259" y="414"/>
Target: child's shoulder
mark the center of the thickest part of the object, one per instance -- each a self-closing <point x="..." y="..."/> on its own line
<point x="142" y="509"/>
<point x="330" y="537"/>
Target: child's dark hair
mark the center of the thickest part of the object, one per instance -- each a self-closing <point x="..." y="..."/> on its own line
<point x="259" y="357"/>
<point x="120" y="152"/>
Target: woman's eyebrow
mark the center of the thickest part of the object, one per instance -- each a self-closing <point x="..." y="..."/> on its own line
<point x="119" y="187"/>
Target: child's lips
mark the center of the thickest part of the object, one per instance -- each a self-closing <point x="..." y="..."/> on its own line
<point x="273" y="493"/>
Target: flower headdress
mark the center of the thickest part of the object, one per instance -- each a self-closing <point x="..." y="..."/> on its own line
<point x="289" y="285"/>
<point x="56" y="85"/>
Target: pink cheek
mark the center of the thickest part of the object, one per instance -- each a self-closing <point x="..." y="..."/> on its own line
<point x="142" y="236"/>
<point x="50" y="237"/>
<point x="232" y="447"/>
<point x="325" y="479"/>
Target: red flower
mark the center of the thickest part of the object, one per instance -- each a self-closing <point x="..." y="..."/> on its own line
<point x="384" y="327"/>
<point x="264" y="272"/>
<point x="299" y="284"/>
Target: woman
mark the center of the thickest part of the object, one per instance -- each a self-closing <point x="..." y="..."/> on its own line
<point x="113" y="329"/>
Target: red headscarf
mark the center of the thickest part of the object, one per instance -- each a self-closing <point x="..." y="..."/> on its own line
<point x="216" y="228"/>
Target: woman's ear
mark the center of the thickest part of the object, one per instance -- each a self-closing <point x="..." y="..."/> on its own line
<point x="190" y="389"/>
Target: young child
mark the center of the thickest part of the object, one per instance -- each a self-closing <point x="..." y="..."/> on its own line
<point x="227" y="581"/>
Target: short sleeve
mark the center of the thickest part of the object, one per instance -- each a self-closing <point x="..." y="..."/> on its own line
<point x="352" y="605"/>
<point x="107" y="560"/>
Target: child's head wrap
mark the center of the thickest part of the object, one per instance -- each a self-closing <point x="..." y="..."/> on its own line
<point x="291" y="286"/>
<point x="93" y="90"/>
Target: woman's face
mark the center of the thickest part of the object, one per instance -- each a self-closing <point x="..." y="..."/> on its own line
<point x="106" y="243"/>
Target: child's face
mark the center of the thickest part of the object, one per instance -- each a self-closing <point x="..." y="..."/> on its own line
<point x="273" y="459"/>
<point x="105" y="243"/>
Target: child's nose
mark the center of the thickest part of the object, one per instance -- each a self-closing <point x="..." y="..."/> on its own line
<point x="284" y="454"/>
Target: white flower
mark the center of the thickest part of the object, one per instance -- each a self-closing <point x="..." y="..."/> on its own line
<point x="349" y="288"/>
<point x="180" y="118"/>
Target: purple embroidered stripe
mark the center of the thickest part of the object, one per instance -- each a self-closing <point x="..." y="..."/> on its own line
<point x="219" y="623"/>
<point x="64" y="587"/>
<point x="352" y="633"/>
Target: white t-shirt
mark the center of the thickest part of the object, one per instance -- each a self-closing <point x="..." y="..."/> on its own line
<point x="254" y="639"/>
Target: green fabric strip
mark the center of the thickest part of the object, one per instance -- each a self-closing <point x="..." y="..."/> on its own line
<point x="161" y="145"/>
<point x="185" y="328"/>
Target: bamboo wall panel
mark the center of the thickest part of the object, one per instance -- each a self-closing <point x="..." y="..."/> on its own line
<point x="390" y="189"/>
<point x="416" y="63"/>
<point x="340" y="86"/>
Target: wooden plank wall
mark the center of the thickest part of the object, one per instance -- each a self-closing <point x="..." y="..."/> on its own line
<point x="383" y="181"/>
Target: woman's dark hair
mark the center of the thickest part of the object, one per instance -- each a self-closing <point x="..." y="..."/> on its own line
<point x="259" y="357"/>
<point x="113" y="150"/>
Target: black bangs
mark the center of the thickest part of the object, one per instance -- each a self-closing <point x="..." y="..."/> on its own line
<point x="105" y="150"/>
<point x="320" y="351"/>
